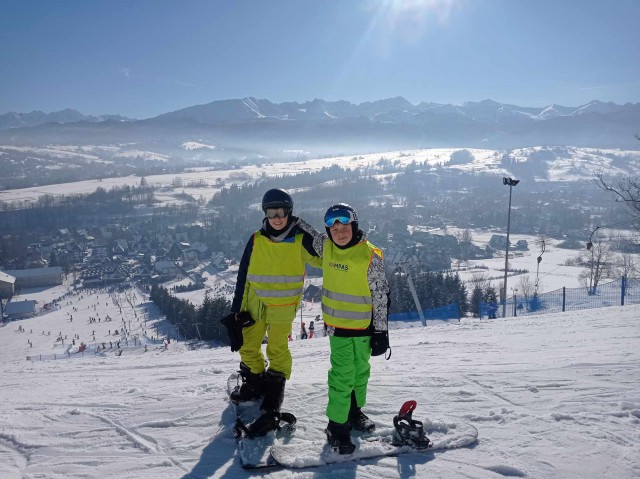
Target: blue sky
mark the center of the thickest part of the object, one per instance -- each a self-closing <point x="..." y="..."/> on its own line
<point x="141" y="58"/>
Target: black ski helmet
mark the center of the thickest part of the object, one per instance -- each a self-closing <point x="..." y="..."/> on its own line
<point x="277" y="198"/>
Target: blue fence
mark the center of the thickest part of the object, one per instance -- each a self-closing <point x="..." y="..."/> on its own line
<point x="616" y="293"/>
<point x="442" y="313"/>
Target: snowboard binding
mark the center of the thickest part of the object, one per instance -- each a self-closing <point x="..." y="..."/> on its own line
<point x="280" y="422"/>
<point x="408" y="430"/>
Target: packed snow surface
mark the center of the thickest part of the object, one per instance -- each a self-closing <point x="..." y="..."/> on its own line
<point x="552" y="396"/>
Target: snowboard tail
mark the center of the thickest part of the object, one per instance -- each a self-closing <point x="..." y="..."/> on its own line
<point x="443" y="435"/>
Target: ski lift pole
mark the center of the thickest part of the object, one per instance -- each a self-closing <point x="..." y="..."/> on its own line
<point x="412" y="288"/>
<point x="543" y="246"/>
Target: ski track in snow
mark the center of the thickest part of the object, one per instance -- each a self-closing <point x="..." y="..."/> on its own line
<point x="551" y="396"/>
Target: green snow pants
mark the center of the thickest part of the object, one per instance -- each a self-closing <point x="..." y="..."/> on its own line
<point x="277" y="347"/>
<point x="349" y="371"/>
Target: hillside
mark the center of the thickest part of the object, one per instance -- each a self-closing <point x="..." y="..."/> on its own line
<point x="82" y="169"/>
<point x="552" y="396"/>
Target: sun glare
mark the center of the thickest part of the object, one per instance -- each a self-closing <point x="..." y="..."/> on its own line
<point x="409" y="19"/>
<point x="418" y="12"/>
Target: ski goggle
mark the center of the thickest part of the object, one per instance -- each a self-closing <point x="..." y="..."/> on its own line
<point x="342" y="215"/>
<point x="272" y="213"/>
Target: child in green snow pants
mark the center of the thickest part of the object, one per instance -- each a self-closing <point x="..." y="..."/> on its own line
<point x="349" y="371"/>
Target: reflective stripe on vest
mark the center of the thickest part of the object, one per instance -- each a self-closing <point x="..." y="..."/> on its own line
<point x="340" y="313"/>
<point x="283" y="293"/>
<point x="348" y="298"/>
<point x="267" y="278"/>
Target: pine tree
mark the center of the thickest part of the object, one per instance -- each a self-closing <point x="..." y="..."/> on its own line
<point x="491" y="298"/>
<point x="460" y="295"/>
<point x="476" y="298"/>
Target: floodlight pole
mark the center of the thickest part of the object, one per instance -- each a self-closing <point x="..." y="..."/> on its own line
<point x="412" y="288"/>
<point x="543" y="247"/>
<point x="511" y="183"/>
<point x="590" y="247"/>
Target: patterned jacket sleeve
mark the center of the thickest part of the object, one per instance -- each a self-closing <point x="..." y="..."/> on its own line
<point x="379" y="293"/>
<point x="318" y="238"/>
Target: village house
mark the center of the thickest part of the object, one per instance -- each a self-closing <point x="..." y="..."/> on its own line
<point x="7" y="285"/>
<point x="32" y="278"/>
<point x="498" y="242"/>
<point x="218" y="261"/>
<point x="183" y="252"/>
<point x="20" y="309"/>
<point x="166" y="268"/>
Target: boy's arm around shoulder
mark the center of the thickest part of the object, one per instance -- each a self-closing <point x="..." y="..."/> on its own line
<point x="313" y="239"/>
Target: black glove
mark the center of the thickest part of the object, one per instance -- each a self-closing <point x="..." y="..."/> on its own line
<point x="244" y="320"/>
<point x="234" y="328"/>
<point x="379" y="342"/>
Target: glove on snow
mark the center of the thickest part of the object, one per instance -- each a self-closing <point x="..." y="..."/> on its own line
<point x="234" y="328"/>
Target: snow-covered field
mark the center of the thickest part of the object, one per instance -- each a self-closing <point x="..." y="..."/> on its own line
<point x="577" y="164"/>
<point x="554" y="396"/>
<point x="552" y="272"/>
<point x="213" y="177"/>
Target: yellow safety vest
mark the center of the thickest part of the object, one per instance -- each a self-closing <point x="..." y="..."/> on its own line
<point x="275" y="278"/>
<point x="346" y="297"/>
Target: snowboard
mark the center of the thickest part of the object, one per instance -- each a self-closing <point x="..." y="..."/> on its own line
<point x="444" y="434"/>
<point x="253" y="453"/>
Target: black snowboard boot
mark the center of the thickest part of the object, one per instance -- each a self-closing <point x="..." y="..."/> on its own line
<point x="251" y="388"/>
<point x="359" y="420"/>
<point x="274" y="382"/>
<point x="339" y="437"/>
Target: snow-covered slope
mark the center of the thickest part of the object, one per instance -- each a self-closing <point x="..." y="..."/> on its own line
<point x="555" y="396"/>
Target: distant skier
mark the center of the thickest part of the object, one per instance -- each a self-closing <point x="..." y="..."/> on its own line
<point x="312" y="329"/>
<point x="355" y="302"/>
<point x="303" y="331"/>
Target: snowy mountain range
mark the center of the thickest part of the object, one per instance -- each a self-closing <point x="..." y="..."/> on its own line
<point x="263" y="127"/>
<point x="35" y="118"/>
<point x="390" y="110"/>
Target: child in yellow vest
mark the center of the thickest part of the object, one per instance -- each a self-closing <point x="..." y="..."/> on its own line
<point x="267" y="296"/>
<point x="355" y="304"/>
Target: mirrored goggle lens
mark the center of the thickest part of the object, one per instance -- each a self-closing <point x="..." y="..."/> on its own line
<point x="331" y="218"/>
<point x="276" y="213"/>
